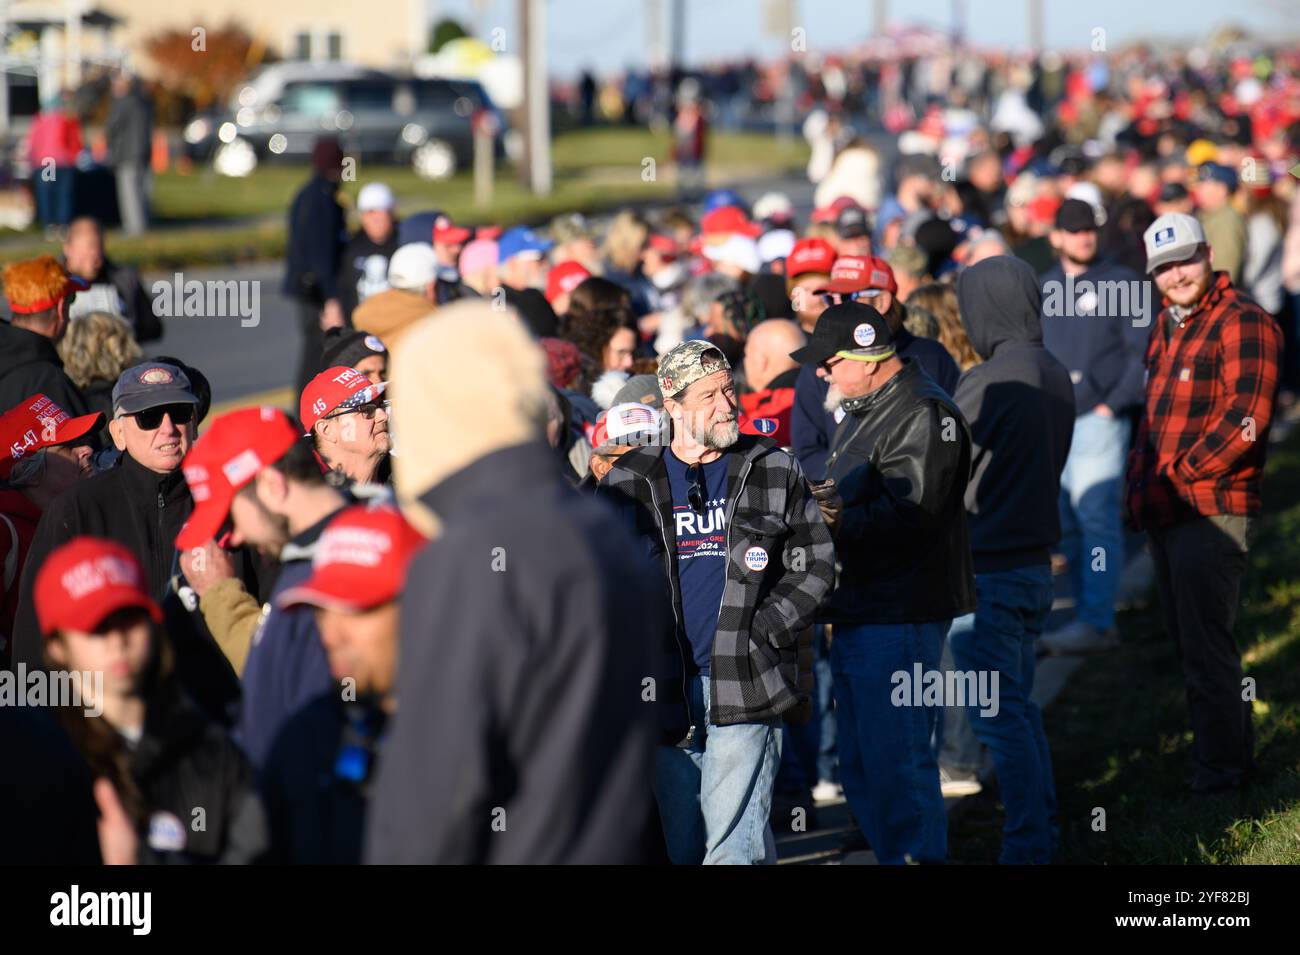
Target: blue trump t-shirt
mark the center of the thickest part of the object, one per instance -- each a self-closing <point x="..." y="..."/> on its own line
<point x="701" y="550"/>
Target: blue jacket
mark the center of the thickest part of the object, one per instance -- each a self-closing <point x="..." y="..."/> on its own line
<point x="1100" y="339"/>
<point x="286" y="667"/>
<point x="812" y="427"/>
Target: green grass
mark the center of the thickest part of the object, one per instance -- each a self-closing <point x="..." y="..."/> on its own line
<point x="209" y="219"/>
<point x="1119" y="733"/>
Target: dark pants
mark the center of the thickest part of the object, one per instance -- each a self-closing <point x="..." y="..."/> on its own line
<point x="313" y="341"/>
<point x="1199" y="566"/>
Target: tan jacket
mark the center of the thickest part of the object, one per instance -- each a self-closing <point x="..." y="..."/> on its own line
<point x="389" y="314"/>
<point x="233" y="616"/>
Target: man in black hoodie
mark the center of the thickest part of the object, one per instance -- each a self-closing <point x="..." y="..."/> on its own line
<point x="1020" y="406"/>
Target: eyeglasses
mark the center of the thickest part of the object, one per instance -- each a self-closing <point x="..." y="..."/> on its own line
<point x="367" y="410"/>
<point x="830" y="363"/>
<point x="837" y="298"/>
<point x="695" y="493"/>
<point x="151" y="418"/>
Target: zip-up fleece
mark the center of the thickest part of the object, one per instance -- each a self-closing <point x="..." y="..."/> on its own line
<point x="754" y="664"/>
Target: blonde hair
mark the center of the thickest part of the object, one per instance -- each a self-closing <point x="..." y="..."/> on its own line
<point x="98" y="347"/>
<point x="624" y="241"/>
<point x="941" y="302"/>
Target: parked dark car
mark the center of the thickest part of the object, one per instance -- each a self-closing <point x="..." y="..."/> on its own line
<point x="377" y="116"/>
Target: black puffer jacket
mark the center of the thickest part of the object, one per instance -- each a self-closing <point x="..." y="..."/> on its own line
<point x="900" y="459"/>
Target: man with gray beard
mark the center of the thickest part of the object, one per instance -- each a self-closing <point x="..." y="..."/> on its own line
<point x="748" y="561"/>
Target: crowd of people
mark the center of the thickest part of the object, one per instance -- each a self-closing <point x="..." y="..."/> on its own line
<point x="611" y="542"/>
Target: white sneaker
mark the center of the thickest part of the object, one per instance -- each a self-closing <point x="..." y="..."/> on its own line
<point x="958" y="784"/>
<point x="827" y="791"/>
<point x="1078" y="637"/>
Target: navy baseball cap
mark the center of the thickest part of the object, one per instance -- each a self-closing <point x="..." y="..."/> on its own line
<point x="518" y="241"/>
<point x="149" y="385"/>
<point x="1218" y="172"/>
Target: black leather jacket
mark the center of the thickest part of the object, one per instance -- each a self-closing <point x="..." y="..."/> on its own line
<point x="901" y="459"/>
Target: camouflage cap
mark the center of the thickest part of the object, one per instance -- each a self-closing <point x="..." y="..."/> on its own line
<point x="687" y="363"/>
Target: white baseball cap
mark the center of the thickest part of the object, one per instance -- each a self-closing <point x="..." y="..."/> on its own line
<point x="375" y="195"/>
<point x="738" y="250"/>
<point x="630" y="424"/>
<point x="1174" y="237"/>
<point x="773" y="205"/>
<point x="413" y="266"/>
<point x="776" y="244"/>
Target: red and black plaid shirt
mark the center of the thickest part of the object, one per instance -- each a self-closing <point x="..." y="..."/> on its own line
<point x="1211" y="381"/>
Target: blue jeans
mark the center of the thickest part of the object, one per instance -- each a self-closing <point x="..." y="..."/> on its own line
<point x="955" y="743"/>
<point x="887" y="763"/>
<point x="54" y="196"/>
<point x="1092" y="530"/>
<point x="715" y="795"/>
<point x="1013" y="604"/>
<point x="808" y="751"/>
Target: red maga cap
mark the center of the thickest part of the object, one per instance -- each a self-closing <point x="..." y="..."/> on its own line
<point x="728" y="220"/>
<point x="226" y="457"/>
<point x="445" y="231"/>
<point x="86" y="580"/>
<point x="859" y="273"/>
<point x="360" y="561"/>
<point x="563" y="279"/>
<point x="332" y="389"/>
<point x="37" y="422"/>
<point x="810" y="255"/>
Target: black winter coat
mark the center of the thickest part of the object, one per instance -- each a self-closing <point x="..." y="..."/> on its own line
<point x="29" y="365"/>
<point x="191" y="773"/>
<point x="900" y="460"/>
<point x="130" y="504"/>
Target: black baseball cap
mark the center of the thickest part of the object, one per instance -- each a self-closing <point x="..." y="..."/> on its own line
<point x="150" y="385"/>
<point x="1075" y="215"/>
<point x="1173" y="192"/>
<point x="852" y="328"/>
<point x="851" y="223"/>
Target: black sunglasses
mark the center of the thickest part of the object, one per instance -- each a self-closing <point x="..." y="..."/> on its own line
<point x="695" y="493"/>
<point x="837" y="298"/>
<point x="151" y="418"/>
<point x="830" y="363"/>
<point x="367" y="410"/>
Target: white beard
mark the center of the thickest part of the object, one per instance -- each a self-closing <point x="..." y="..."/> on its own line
<point x="833" y="399"/>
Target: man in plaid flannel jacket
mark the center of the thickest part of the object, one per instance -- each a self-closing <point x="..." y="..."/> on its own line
<point x="748" y="561"/>
<point x="1194" y="478"/>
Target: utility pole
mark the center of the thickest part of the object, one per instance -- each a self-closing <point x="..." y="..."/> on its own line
<point x="4" y="68"/>
<point x="1036" y="26"/>
<point x="537" y="98"/>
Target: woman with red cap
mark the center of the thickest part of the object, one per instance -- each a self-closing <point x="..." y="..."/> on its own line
<point x="186" y="790"/>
